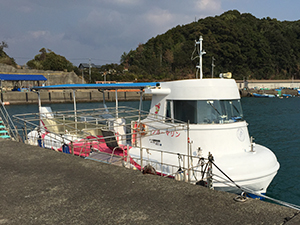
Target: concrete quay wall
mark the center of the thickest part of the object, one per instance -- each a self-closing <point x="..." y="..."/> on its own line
<point x="42" y="186"/>
<point x="67" y="96"/>
<point x="270" y="84"/>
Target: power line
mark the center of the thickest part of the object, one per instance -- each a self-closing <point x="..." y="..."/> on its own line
<point x="94" y="59"/>
<point x="75" y="59"/>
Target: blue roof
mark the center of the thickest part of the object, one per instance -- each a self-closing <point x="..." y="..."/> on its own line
<point x="11" y="77"/>
<point x="100" y="86"/>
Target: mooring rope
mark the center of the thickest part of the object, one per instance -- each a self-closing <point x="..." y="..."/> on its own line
<point x="247" y="190"/>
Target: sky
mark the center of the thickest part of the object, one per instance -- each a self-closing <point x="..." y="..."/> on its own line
<point x="102" y="30"/>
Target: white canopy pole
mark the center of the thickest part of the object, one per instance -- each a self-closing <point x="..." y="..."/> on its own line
<point x="75" y="109"/>
<point x="40" y="106"/>
<point x="117" y="106"/>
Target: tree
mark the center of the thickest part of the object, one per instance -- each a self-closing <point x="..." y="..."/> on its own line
<point x="4" y="58"/>
<point x="241" y="43"/>
<point x="3" y="45"/>
<point x="48" y="60"/>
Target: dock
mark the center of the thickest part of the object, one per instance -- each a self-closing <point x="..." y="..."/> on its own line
<point x="42" y="186"/>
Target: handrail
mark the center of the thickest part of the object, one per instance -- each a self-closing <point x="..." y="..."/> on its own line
<point x="12" y="130"/>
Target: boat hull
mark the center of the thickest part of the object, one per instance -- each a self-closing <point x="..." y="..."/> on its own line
<point x="250" y="172"/>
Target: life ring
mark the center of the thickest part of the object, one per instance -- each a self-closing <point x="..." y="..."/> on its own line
<point x="138" y="128"/>
<point x="133" y="137"/>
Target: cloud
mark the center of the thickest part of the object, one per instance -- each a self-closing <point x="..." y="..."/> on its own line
<point x="159" y="17"/>
<point x="38" y="34"/>
<point x="102" y="18"/>
<point x="127" y="2"/>
<point x="25" y="9"/>
<point x="93" y="28"/>
<point x="208" y="6"/>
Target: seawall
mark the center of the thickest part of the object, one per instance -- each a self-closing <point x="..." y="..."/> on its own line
<point x="249" y="92"/>
<point x="42" y="186"/>
<point x="67" y="96"/>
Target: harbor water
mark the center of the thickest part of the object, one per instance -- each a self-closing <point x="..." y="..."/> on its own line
<point x="273" y="122"/>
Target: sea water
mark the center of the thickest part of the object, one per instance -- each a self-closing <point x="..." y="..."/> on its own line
<point x="273" y="122"/>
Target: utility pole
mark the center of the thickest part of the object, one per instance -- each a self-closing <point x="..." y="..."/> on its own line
<point x="82" y="75"/>
<point x="212" y="66"/>
<point x="90" y="70"/>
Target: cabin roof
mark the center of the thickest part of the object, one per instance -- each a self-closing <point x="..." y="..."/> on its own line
<point x="17" y="77"/>
<point x="99" y="86"/>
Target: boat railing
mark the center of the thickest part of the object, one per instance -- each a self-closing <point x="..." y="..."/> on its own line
<point x="54" y="129"/>
<point x="92" y="121"/>
<point x="8" y="123"/>
<point x="80" y="134"/>
<point x="184" y="171"/>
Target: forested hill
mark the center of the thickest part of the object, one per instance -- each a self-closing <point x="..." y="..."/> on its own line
<point x="240" y="43"/>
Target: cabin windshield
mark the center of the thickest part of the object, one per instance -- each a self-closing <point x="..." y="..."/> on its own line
<point x="208" y="111"/>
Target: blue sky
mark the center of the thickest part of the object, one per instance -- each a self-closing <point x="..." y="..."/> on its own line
<point x="101" y="30"/>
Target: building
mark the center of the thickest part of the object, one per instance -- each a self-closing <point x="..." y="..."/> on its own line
<point x="84" y="66"/>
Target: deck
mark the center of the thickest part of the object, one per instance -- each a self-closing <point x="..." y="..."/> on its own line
<point x="103" y="157"/>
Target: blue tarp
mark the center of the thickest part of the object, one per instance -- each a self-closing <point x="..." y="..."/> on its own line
<point x="101" y="86"/>
<point x="16" y="77"/>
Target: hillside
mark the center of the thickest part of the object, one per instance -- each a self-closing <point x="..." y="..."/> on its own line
<point x="53" y="77"/>
<point x="240" y="43"/>
<point x="4" y="58"/>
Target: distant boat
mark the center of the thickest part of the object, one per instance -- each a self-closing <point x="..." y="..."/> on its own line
<point x="263" y="95"/>
<point x="287" y="95"/>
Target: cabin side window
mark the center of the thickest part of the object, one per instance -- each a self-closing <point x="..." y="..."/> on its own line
<point x="207" y="111"/>
<point x="185" y="110"/>
<point x="169" y="116"/>
<point x="168" y="111"/>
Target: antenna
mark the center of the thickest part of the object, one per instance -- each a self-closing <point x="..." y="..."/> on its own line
<point x="200" y="52"/>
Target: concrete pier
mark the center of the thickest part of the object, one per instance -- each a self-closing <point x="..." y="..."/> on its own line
<point x="249" y="92"/>
<point x="41" y="186"/>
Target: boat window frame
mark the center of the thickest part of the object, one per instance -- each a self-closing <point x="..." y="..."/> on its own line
<point x="170" y="115"/>
<point x="226" y="114"/>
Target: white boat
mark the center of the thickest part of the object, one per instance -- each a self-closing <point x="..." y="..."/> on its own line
<point x="212" y="110"/>
<point x="195" y="132"/>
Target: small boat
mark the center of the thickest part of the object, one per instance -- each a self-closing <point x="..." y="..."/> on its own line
<point x="287" y="95"/>
<point x="263" y="95"/>
<point x="195" y="131"/>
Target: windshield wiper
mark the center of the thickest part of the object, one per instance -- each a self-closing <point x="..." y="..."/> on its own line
<point x="214" y="108"/>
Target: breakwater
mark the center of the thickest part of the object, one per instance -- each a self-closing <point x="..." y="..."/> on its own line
<point x="67" y="96"/>
<point x="249" y="92"/>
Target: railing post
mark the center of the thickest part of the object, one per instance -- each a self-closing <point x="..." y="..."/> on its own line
<point x="162" y="168"/>
<point x="64" y="121"/>
<point x="25" y="128"/>
<point x="72" y="148"/>
<point x="183" y="164"/>
<point x="75" y="110"/>
<point x="141" y="156"/>
<point x="128" y="156"/>
<point x="188" y="149"/>
<point x="117" y="106"/>
<point x="209" y="171"/>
